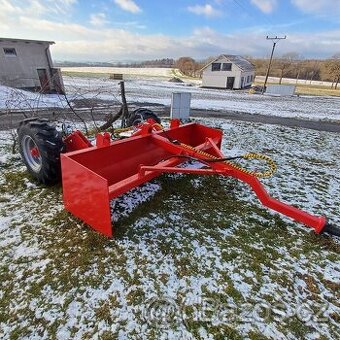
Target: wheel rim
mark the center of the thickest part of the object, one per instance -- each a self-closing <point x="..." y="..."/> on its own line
<point x="138" y="119"/>
<point x="31" y="153"/>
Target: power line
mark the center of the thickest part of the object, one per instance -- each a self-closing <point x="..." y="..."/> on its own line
<point x="246" y="9"/>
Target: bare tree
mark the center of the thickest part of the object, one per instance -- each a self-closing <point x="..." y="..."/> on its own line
<point x="186" y="65"/>
<point x="313" y="70"/>
<point x="286" y="63"/>
<point x="296" y="65"/>
<point x="333" y="69"/>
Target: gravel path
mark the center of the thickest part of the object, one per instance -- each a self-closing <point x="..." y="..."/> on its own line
<point x="285" y="121"/>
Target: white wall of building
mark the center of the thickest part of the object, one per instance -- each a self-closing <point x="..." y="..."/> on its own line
<point x="218" y="79"/>
<point x="248" y="78"/>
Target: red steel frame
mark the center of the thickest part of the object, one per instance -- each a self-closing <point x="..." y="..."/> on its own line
<point x="95" y="175"/>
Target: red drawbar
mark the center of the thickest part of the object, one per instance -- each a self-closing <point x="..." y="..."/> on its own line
<point x="76" y="141"/>
<point x="94" y="175"/>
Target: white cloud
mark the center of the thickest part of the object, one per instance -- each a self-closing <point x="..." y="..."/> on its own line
<point x="319" y="7"/>
<point x="128" y="5"/>
<point x="7" y="7"/>
<point x="103" y="43"/>
<point x="207" y="10"/>
<point x="77" y="42"/>
<point x="60" y="6"/>
<point x="98" y="19"/>
<point x="129" y="25"/>
<point x="266" y="6"/>
<point x="36" y="8"/>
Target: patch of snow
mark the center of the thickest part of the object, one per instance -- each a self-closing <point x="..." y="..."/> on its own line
<point x="15" y="99"/>
<point x="171" y="256"/>
<point x="124" y="205"/>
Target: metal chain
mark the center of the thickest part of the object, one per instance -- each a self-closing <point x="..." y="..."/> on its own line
<point x="269" y="161"/>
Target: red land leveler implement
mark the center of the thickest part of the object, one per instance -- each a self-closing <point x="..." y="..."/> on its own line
<point x="92" y="175"/>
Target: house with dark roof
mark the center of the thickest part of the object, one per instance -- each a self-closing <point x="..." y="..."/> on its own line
<point x="28" y="64"/>
<point x="228" y="72"/>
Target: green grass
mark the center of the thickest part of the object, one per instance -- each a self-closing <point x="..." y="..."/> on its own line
<point x="197" y="238"/>
<point x="106" y="75"/>
<point x="317" y="90"/>
<point x="86" y="74"/>
<point x="73" y="250"/>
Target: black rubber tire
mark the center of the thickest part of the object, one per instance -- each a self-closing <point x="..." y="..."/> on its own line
<point x="44" y="136"/>
<point x="140" y="115"/>
<point x="331" y="229"/>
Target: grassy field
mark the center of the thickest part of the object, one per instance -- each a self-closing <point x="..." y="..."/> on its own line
<point x="96" y="72"/>
<point x="86" y="74"/>
<point x="193" y="257"/>
<point x="317" y="90"/>
<point x="310" y="89"/>
<point x="301" y="89"/>
<point x="93" y="74"/>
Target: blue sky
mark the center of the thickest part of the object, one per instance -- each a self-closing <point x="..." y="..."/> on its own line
<point x="113" y="30"/>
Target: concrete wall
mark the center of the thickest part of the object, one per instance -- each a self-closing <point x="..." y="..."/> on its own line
<point x="20" y="70"/>
<point x="218" y="79"/>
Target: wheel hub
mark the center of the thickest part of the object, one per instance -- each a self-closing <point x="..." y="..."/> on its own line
<point x="31" y="153"/>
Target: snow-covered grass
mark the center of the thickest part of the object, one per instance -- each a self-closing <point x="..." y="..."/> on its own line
<point x="193" y="258"/>
<point x="15" y="99"/>
<point x="95" y="91"/>
<point x="126" y="71"/>
<point x="159" y="92"/>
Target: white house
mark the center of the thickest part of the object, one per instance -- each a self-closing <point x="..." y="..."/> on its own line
<point x="228" y="72"/>
<point x="28" y="64"/>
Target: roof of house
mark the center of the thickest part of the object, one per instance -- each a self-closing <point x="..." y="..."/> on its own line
<point x="27" y="41"/>
<point x="242" y="63"/>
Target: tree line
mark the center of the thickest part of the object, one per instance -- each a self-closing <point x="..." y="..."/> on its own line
<point x="292" y="65"/>
<point x="289" y="65"/>
<point x="164" y="62"/>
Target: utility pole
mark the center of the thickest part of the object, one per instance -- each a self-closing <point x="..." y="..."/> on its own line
<point x="275" y="41"/>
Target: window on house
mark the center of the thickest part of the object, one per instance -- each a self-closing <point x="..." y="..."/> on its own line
<point x="10" y="51"/>
<point x="248" y="79"/>
<point x="226" y="67"/>
<point x="216" y="67"/>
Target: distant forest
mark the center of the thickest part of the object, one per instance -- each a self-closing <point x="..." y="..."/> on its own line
<point x="289" y="65"/>
<point x="165" y="62"/>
